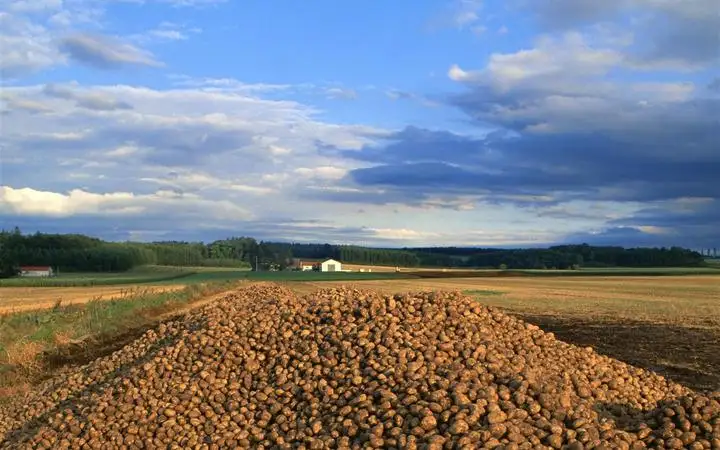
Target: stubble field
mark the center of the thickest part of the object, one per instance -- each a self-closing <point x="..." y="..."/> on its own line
<point x="19" y="299"/>
<point x="668" y="324"/>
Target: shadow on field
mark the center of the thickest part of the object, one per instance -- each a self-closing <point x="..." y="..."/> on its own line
<point x="686" y="355"/>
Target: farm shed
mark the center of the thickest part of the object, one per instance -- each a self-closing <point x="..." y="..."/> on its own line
<point x="36" y="271"/>
<point x="330" y="265"/>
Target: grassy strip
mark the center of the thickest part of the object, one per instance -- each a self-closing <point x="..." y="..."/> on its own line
<point x="204" y="277"/>
<point x="27" y="338"/>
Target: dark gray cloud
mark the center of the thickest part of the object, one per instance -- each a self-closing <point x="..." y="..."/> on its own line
<point x="585" y="166"/>
<point x="627" y="237"/>
<point x="672" y="37"/>
<point x="414" y="144"/>
<point x="569" y="13"/>
<point x="665" y="32"/>
<point x="102" y="52"/>
<point x="714" y="85"/>
<point x="543" y="170"/>
<point x="684" y="222"/>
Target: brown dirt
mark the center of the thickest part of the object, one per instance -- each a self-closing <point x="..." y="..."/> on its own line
<point x="688" y="355"/>
<point x="16" y="299"/>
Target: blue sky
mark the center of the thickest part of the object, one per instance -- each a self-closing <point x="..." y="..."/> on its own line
<point x="381" y="123"/>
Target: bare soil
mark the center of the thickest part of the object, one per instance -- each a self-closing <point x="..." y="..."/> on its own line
<point x="685" y="354"/>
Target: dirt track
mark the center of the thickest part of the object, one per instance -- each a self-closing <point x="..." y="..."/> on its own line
<point x="14" y="299"/>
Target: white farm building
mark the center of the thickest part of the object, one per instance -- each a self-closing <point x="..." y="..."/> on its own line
<point x="36" y="271"/>
<point x="330" y="265"/>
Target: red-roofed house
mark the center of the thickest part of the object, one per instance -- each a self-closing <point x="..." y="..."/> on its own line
<point x="36" y="271"/>
<point x="306" y="265"/>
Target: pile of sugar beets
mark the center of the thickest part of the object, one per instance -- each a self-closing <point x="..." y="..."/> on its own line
<point x="352" y="369"/>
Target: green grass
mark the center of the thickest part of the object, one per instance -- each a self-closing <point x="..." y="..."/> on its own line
<point x="205" y="277"/>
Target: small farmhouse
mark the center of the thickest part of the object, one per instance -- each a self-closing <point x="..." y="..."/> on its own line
<point x="306" y="265"/>
<point x="330" y="265"/>
<point x="36" y="271"/>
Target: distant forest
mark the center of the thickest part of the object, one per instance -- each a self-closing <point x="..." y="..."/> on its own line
<point x="79" y="253"/>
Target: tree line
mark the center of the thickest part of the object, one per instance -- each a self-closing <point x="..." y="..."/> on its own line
<point x="560" y="257"/>
<point x="77" y="252"/>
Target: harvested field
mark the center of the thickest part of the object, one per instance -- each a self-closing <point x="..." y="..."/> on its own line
<point x="354" y="369"/>
<point x="16" y="299"/>
<point x="667" y="324"/>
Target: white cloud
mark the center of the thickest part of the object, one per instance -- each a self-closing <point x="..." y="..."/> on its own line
<point x="402" y="234"/>
<point x="165" y="32"/>
<point x="251" y="189"/>
<point x="26" y="47"/>
<point x="32" y="202"/>
<point x="467" y="12"/>
<point x="322" y="172"/>
<point x="215" y="148"/>
<point x="340" y="93"/>
<point x="563" y="84"/>
<point x="551" y="59"/>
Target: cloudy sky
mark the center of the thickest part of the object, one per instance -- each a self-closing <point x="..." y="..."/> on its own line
<point x="411" y="122"/>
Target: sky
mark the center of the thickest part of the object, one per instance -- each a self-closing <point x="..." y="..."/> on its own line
<point x="406" y="123"/>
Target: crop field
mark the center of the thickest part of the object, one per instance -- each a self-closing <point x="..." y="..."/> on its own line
<point x="16" y="299"/>
<point x="670" y="324"/>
